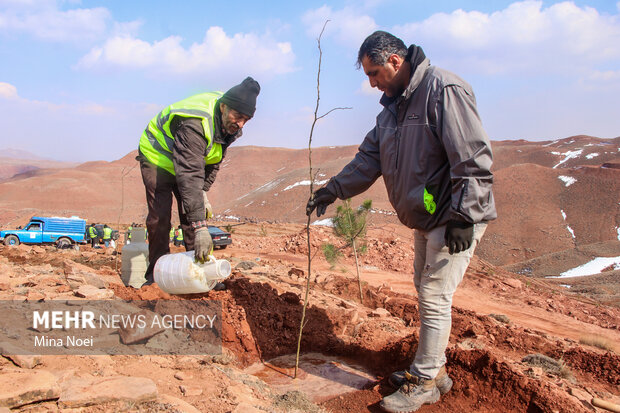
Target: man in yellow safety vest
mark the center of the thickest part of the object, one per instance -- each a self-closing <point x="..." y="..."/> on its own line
<point x="180" y="152"/>
<point x="107" y="235"/>
<point x="93" y="235"/>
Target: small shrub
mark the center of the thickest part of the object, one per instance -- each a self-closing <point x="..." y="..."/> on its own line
<point x="332" y="254"/>
<point x="549" y="365"/>
<point x="363" y="249"/>
<point x="350" y="226"/>
<point x="501" y="318"/>
<point x="263" y="231"/>
<point x="295" y="401"/>
<point x="598" y="342"/>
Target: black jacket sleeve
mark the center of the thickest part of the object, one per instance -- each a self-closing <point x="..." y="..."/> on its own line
<point x="189" y="164"/>
<point x="361" y="172"/>
<point x="210" y="174"/>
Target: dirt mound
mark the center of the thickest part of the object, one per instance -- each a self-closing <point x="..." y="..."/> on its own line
<point x="262" y="309"/>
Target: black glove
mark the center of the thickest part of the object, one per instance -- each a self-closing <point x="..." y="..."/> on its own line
<point x="203" y="244"/>
<point x="459" y="236"/>
<point x="320" y="200"/>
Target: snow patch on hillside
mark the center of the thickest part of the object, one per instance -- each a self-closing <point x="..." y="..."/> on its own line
<point x="306" y="182"/>
<point x="569" y="155"/>
<point x="264" y="188"/>
<point x="327" y="222"/>
<point x="593" y="267"/>
<point x="591" y="155"/>
<point x="568" y="180"/>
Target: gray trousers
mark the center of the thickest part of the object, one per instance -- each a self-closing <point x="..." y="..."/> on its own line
<point x="437" y="274"/>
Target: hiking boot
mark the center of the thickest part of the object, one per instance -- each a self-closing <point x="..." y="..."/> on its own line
<point x="147" y="283"/>
<point x="411" y="396"/>
<point x="443" y="381"/>
<point x="219" y="287"/>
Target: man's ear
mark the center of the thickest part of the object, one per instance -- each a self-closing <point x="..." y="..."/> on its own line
<point x="222" y="106"/>
<point x="396" y="61"/>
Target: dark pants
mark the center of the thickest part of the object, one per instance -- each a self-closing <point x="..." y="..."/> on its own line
<point x="160" y="185"/>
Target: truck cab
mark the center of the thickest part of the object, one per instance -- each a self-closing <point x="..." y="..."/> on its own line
<point x="47" y="230"/>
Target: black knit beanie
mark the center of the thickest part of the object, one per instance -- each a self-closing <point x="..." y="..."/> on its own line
<point x="242" y="97"/>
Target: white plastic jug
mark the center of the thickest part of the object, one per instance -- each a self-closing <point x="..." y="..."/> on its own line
<point x="180" y="274"/>
<point x="135" y="260"/>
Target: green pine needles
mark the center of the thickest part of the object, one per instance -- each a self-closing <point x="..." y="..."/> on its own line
<point x="350" y="226"/>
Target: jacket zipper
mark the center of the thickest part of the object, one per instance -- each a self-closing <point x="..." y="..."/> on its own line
<point x="396" y="136"/>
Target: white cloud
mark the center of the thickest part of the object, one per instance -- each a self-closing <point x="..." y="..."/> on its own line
<point x="606" y="76"/>
<point x="601" y="80"/>
<point x="347" y="25"/>
<point x="45" y="21"/>
<point x="218" y="55"/>
<point x="8" y="91"/>
<point x="522" y="37"/>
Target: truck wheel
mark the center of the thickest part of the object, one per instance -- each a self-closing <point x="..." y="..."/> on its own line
<point x="63" y="243"/>
<point x="223" y="246"/>
<point x="11" y="240"/>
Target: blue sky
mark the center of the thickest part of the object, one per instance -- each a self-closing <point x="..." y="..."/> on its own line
<point x="79" y="80"/>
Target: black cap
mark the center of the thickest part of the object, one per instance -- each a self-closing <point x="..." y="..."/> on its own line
<point x="242" y="97"/>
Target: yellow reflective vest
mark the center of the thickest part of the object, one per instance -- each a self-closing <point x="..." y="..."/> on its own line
<point x="157" y="141"/>
<point x="92" y="232"/>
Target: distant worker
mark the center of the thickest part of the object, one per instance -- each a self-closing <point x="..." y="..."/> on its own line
<point x="128" y="234"/>
<point x="180" y="153"/>
<point x="435" y="158"/>
<point x="178" y="236"/>
<point x="107" y="235"/>
<point x="93" y="235"/>
<point x="171" y="235"/>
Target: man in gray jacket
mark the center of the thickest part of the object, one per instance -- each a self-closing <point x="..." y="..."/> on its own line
<point x="435" y="158"/>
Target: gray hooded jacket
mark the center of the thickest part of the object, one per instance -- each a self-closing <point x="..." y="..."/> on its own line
<point x="432" y="151"/>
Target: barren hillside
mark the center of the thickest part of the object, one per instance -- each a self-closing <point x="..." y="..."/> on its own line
<point x="551" y="196"/>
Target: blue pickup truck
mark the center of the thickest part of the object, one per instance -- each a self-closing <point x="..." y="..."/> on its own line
<point x="45" y="230"/>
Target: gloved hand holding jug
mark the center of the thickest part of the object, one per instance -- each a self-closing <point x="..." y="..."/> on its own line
<point x="203" y="244"/>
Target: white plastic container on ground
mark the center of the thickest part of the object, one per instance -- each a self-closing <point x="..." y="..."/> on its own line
<point x="181" y="274"/>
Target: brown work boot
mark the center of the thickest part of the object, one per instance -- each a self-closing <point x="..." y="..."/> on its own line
<point x="442" y="380"/>
<point x="411" y="396"/>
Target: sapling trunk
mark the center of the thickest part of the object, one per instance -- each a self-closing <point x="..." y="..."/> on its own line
<point x="357" y="267"/>
<point x="316" y="118"/>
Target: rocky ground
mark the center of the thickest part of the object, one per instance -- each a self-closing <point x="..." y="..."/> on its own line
<point x="517" y="343"/>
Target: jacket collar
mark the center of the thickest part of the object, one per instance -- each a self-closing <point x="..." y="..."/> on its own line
<point x="414" y="82"/>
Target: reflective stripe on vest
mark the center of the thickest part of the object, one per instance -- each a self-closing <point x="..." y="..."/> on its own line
<point x="157" y="141"/>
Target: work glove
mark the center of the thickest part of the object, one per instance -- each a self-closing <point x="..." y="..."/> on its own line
<point x="459" y="236"/>
<point x="320" y="200"/>
<point x="208" y="208"/>
<point x="203" y="244"/>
